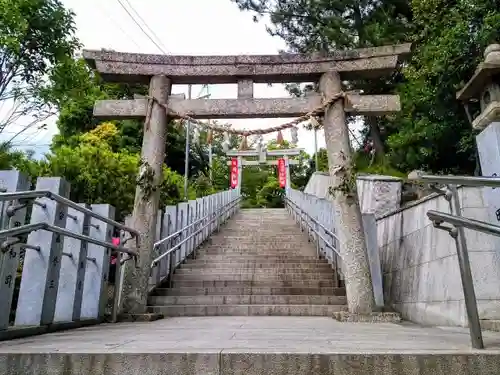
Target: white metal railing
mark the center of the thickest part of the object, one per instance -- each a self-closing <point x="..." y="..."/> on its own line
<point x="456" y="230"/>
<point x="64" y="252"/>
<point x="316" y="216"/>
<point x="204" y="216"/>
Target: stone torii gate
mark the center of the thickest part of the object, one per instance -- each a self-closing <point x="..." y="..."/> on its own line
<point x="262" y="153"/>
<point x="160" y="72"/>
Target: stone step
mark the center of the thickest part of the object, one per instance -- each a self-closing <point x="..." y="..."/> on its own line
<point x="256" y="255"/>
<point x="253" y="283"/>
<point x="326" y="272"/>
<point x="247" y="300"/>
<point x="251" y="239"/>
<point x="247" y="228"/>
<point x="245" y="260"/>
<point x="247" y="310"/>
<point x="246" y="290"/>
<point x="195" y="265"/>
<point x="279" y="261"/>
<point x="251" y="346"/>
<point x="254" y="240"/>
<point x="254" y="258"/>
<point x="261" y="251"/>
<point x="262" y="247"/>
<point x="255" y="270"/>
<point x="274" y="235"/>
<point x="258" y="264"/>
<point x="194" y="361"/>
<point x="251" y="243"/>
<point x="209" y="275"/>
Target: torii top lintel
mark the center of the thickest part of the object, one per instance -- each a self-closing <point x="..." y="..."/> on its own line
<point x="283" y="68"/>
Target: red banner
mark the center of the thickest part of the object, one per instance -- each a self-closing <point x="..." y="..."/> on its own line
<point x="234" y="173"/>
<point x="282" y="172"/>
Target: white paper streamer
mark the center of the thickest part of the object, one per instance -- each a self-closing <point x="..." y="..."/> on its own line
<point x="295" y="136"/>
<point x="225" y="143"/>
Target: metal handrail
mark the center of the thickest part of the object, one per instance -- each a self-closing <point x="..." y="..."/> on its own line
<point x="458" y="221"/>
<point x="483" y="181"/>
<point x="180" y="231"/>
<point x="34" y="194"/>
<point x="315" y="230"/>
<point x="215" y="215"/>
<point x="329" y="232"/>
<point x="457" y="233"/>
<point x="25" y="229"/>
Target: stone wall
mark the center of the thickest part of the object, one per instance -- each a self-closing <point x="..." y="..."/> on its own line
<point x="421" y="278"/>
<point x="420" y="266"/>
<point x="377" y="194"/>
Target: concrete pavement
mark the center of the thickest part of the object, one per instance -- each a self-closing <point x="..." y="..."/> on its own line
<point x="251" y="345"/>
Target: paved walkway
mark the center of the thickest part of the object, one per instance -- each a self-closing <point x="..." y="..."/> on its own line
<point x="253" y="334"/>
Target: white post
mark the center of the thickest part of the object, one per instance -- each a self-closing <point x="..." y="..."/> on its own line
<point x="287" y="168"/>
<point x="240" y="171"/>
<point x="210" y="162"/>
<point x="186" y="159"/>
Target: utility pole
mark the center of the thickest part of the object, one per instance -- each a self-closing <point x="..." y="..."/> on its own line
<point x="316" y="148"/>
<point x="210" y="162"/>
<point x="210" y="148"/>
<point x="186" y="161"/>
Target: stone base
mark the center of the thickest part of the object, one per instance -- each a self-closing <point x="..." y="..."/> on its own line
<point x="148" y="317"/>
<point x="376" y="317"/>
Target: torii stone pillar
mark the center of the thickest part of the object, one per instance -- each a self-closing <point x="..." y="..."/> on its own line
<point x="146" y="205"/>
<point x="359" y="288"/>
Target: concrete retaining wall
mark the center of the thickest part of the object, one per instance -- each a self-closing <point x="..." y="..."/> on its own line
<point x="420" y="265"/>
<point x="421" y="278"/>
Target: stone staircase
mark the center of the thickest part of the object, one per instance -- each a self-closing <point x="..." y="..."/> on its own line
<point x="260" y="263"/>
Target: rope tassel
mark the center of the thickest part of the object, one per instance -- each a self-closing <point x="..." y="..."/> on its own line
<point x="244" y="144"/>
<point x="210" y="136"/>
<point x="279" y="139"/>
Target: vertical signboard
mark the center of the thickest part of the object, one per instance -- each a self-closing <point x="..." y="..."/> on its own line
<point x="282" y="172"/>
<point x="234" y="173"/>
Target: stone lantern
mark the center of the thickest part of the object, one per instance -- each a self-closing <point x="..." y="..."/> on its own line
<point x="484" y="86"/>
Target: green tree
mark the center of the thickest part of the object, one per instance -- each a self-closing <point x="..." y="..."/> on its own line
<point x="22" y="161"/>
<point x="322" y="160"/>
<point x="98" y="174"/>
<point x="253" y="179"/>
<point x="434" y="133"/>
<point x="36" y="36"/>
<point x="322" y="25"/>
<point x="271" y="194"/>
<point x="325" y="25"/>
<point x="74" y="88"/>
